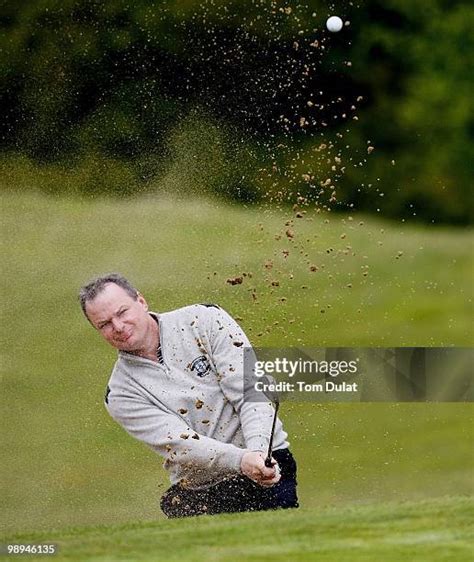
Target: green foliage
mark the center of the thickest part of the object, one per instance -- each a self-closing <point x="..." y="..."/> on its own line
<point x="419" y="77"/>
<point x="86" y="81"/>
<point x="93" y="176"/>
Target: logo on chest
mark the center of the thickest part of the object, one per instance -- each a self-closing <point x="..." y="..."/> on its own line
<point x="200" y="366"/>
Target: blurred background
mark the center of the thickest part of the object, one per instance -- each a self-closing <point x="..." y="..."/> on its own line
<point x="316" y="185"/>
<point x="244" y="99"/>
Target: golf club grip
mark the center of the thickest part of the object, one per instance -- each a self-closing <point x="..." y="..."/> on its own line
<point x="269" y="463"/>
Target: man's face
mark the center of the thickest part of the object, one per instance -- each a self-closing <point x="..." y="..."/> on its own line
<point x="122" y="320"/>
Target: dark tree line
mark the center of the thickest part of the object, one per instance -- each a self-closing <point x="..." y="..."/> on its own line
<point x="84" y="80"/>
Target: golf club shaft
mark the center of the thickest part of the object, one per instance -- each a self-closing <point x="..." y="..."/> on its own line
<point x="268" y="460"/>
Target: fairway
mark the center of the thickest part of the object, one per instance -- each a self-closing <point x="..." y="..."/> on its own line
<point x="336" y="280"/>
<point x="429" y="531"/>
<point x="377" y="283"/>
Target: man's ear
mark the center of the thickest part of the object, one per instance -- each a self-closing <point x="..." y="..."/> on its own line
<point x="142" y="301"/>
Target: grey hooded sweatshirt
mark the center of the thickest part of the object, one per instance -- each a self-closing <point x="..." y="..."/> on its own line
<point x="188" y="405"/>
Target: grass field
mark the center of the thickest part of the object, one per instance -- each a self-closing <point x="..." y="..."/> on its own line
<point x="428" y="531"/>
<point x="65" y="463"/>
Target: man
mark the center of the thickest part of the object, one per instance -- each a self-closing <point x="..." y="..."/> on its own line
<point x="178" y="387"/>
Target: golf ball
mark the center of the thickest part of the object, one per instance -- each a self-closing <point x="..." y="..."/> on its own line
<point x="334" y="24"/>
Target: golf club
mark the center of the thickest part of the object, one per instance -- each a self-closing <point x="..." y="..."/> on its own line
<point x="276" y="403"/>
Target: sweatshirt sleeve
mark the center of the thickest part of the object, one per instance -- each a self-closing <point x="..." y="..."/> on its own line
<point x="168" y="435"/>
<point x="228" y="342"/>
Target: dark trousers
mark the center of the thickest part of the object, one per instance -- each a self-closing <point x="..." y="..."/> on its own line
<point x="234" y="494"/>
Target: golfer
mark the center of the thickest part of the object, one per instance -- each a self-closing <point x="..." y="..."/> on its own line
<point x="177" y="386"/>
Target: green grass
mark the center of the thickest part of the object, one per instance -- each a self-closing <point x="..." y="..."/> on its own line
<point x="428" y="531"/>
<point x="65" y="462"/>
<point x="417" y="289"/>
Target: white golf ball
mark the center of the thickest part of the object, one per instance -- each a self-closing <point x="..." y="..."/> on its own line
<point x="334" y="24"/>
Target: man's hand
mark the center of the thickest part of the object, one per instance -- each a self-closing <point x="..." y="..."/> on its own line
<point x="253" y="466"/>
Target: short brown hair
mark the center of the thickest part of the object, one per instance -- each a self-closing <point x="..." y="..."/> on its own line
<point x="90" y="290"/>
